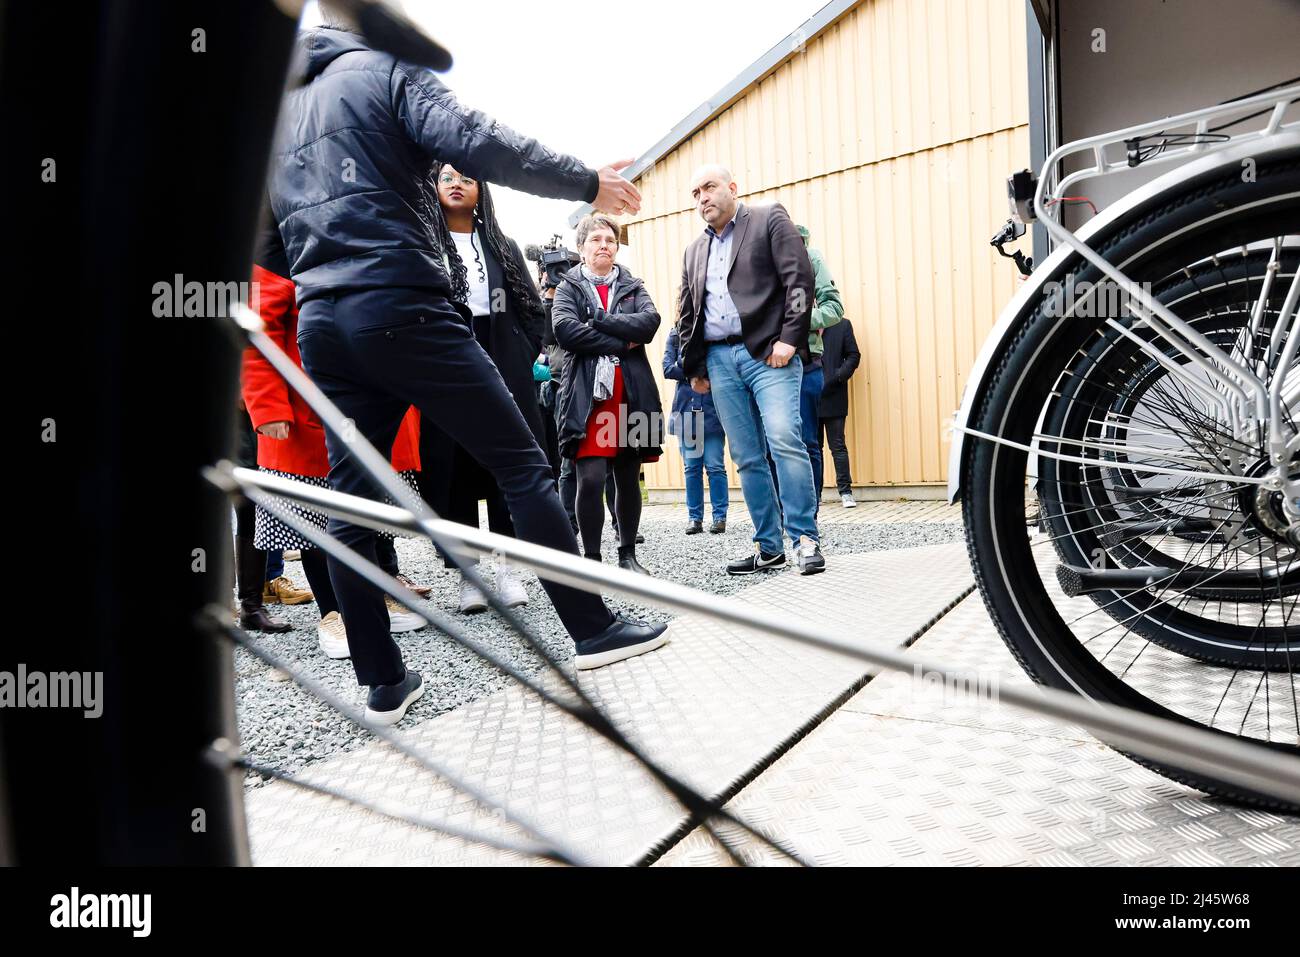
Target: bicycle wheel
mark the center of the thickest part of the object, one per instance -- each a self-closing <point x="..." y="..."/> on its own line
<point x="1109" y="515"/>
<point x="1213" y="638"/>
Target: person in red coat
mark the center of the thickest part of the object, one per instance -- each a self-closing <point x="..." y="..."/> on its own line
<point x="291" y="444"/>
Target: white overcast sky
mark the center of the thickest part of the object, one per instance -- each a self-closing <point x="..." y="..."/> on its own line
<point x="603" y="81"/>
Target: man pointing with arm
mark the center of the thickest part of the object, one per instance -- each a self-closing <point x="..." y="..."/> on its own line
<point x="378" y="330"/>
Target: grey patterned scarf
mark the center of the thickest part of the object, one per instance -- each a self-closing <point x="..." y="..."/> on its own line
<point x="602" y="386"/>
<point x="593" y="281"/>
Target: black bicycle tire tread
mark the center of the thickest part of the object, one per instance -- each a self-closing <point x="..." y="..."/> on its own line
<point x="1028" y="322"/>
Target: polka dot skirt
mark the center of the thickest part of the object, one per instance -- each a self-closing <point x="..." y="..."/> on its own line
<point x="270" y="533"/>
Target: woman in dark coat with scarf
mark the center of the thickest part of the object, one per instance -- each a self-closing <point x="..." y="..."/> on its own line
<point x="610" y="417"/>
<point x="494" y="291"/>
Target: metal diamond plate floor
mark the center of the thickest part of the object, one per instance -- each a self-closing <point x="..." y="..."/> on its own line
<point x="714" y="706"/>
<point x="906" y="774"/>
<point x="898" y="772"/>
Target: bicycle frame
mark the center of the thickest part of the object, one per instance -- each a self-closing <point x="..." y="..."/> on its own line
<point x="1244" y="400"/>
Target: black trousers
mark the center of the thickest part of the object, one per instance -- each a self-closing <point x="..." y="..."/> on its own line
<point x="832" y="434"/>
<point x="568" y="482"/>
<point x="373" y="353"/>
<point x="250" y="561"/>
<point x="386" y="554"/>
<point x="315" y="565"/>
<point x="467" y="483"/>
<point x="467" y="487"/>
<point x="551" y="432"/>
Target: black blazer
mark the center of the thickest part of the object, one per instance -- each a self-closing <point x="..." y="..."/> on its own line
<point x="840" y="358"/>
<point x="770" y="280"/>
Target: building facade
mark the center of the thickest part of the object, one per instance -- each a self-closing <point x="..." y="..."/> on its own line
<point x="887" y="127"/>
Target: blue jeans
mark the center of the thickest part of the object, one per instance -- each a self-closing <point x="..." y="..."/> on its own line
<point x="756" y="403"/>
<point x="274" y="564"/>
<point x="701" y="456"/>
<point x="809" y="395"/>
<point x="810" y="391"/>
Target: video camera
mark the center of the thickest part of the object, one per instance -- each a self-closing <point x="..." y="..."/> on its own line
<point x="553" y="259"/>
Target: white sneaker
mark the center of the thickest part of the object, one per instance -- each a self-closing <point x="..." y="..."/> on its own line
<point x="332" y="637"/>
<point x="399" y="619"/>
<point x="510" y="588"/>
<point x="808" y="556"/>
<point x="471" y="599"/>
<point x="847" y="501"/>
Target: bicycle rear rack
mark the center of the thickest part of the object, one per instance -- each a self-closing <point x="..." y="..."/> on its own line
<point x="1193" y="129"/>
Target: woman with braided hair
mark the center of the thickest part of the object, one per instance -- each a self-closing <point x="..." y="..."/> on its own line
<point x="492" y="287"/>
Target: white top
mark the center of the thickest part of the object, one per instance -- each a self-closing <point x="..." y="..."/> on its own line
<point x="467" y="245"/>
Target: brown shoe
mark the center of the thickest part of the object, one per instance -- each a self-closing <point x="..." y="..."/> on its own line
<point x="424" y="591"/>
<point x="281" y="591"/>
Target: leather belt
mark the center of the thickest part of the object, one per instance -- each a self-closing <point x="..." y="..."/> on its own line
<point x="729" y="341"/>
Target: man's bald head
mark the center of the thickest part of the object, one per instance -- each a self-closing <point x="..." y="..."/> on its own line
<point x="714" y="192"/>
<point x="716" y="170"/>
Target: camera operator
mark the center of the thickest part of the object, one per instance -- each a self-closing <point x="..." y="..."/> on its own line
<point x="377" y="328"/>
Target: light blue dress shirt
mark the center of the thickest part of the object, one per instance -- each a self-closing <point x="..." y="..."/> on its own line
<point x="721" y="318"/>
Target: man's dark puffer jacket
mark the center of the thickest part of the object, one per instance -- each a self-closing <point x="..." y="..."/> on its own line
<point x="353" y="146"/>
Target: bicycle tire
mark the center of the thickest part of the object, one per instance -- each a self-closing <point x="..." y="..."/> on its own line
<point x="1155" y="239"/>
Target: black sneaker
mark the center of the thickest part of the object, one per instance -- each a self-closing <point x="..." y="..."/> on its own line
<point x="624" y="638"/>
<point x="387" y="704"/>
<point x="718" y="527"/>
<point x="694" y="527"/>
<point x="756" y="562"/>
<point x="808" y="555"/>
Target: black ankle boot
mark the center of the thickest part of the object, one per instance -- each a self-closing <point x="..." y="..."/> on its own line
<point x="250" y="577"/>
<point x="256" y="618"/>
<point x="594" y="556"/>
<point x="627" y="559"/>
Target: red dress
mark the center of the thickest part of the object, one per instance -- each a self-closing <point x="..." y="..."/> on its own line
<point x="605" y="423"/>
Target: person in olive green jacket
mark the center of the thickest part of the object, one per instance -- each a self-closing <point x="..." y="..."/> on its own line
<point x="828" y="309"/>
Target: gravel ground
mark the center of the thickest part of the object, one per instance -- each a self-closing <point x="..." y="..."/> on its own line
<point x="284" y="727"/>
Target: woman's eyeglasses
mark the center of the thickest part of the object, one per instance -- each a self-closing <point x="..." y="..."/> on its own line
<point x="447" y="179"/>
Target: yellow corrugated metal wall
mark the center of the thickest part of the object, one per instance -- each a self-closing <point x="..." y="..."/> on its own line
<point x="889" y="136"/>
